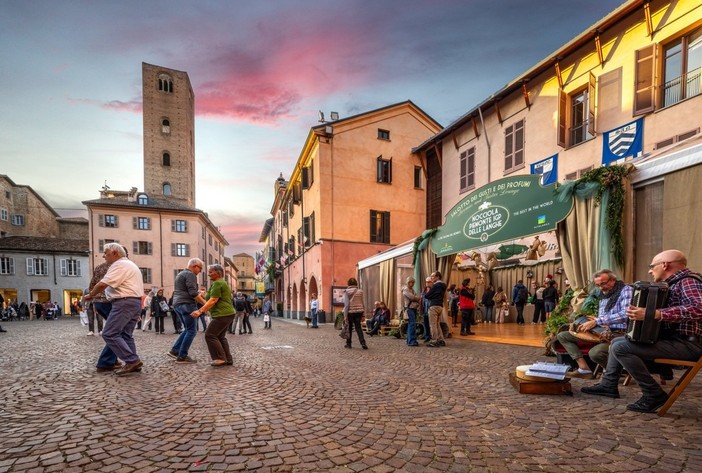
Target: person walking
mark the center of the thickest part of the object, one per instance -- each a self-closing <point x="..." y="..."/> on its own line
<point x="219" y="304"/>
<point x="123" y="286"/>
<point x="186" y="296"/>
<point x="353" y="311"/>
<point x="148" y="313"/>
<point x="520" y="295"/>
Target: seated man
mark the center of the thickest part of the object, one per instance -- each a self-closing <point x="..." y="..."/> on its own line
<point x="680" y="334"/>
<point x="615" y="298"/>
<point x="381" y="317"/>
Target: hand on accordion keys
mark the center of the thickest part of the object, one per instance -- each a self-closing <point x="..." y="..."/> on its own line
<point x="639" y="313"/>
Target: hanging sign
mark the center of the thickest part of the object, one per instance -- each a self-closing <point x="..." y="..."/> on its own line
<point x="503" y="210"/>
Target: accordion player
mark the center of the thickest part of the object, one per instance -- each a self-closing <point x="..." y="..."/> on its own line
<point x="652" y="296"/>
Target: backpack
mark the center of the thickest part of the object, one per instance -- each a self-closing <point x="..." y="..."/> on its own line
<point x="240" y="305"/>
<point x="522" y="295"/>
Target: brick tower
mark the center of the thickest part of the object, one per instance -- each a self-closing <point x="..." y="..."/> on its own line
<point x="169" y="133"/>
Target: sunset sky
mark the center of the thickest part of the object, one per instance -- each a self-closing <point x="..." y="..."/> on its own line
<point x="70" y="82"/>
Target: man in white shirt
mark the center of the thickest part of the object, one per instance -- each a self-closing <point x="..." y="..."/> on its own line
<point x="123" y="286"/>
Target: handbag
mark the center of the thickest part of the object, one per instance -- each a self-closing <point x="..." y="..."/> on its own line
<point x="345" y="330"/>
<point x="164" y="306"/>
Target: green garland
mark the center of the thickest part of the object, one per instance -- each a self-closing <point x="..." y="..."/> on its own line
<point x="611" y="178"/>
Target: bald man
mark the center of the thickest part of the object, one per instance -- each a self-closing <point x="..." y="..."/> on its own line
<point x="680" y="334"/>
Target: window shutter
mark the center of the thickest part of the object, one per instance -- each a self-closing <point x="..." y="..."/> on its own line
<point x="305" y="178"/>
<point x="64" y="267"/>
<point x="78" y="273"/>
<point x="463" y="177"/>
<point x="150" y="248"/>
<point x="519" y="143"/>
<point x="173" y="225"/>
<point x="509" y="147"/>
<point x="562" y="101"/>
<point x="116" y="221"/>
<point x="187" y="249"/>
<point x="101" y="220"/>
<point x="644" y="89"/>
<point x="148" y="223"/>
<point x="135" y="223"/>
<point x="135" y="247"/>
<point x="386" y="227"/>
<point x="185" y="225"/>
<point x="372" y="226"/>
<point x="470" y="164"/>
<point x="30" y="266"/>
<point x="101" y="245"/>
<point x="390" y="172"/>
<point x="173" y="249"/>
<point x="591" y="102"/>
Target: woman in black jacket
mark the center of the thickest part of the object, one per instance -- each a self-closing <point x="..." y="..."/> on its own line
<point x="159" y="310"/>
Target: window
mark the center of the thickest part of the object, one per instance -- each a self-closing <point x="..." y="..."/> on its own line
<point x="209" y="239"/>
<point x="682" y="68"/>
<point x="7" y="195"/>
<point x="579" y="118"/>
<point x="142" y="248"/>
<point x="145" y="275"/>
<point x="209" y="259"/>
<point x="18" y="220"/>
<point x="7" y="265"/>
<point x="384" y="170"/>
<point x="165" y="126"/>
<point x="285" y="218"/>
<point x="143" y="199"/>
<point x="645" y="73"/>
<point x="180" y="249"/>
<point x="383" y="134"/>
<point x="165" y="83"/>
<point x="37" y="266"/>
<point x="141" y="223"/>
<point x="514" y="145"/>
<point x="417" y="177"/>
<point x="176" y="272"/>
<point x="180" y="226"/>
<point x="216" y="245"/>
<point x="379" y="226"/>
<point x="576" y="115"/>
<point x="111" y="221"/>
<point x="308" y="230"/>
<point x="166" y="188"/>
<point x="166" y="159"/>
<point x="101" y="244"/>
<point x="577" y="174"/>
<point x="3" y="215"/>
<point x="70" y="267"/>
<point x="307" y="176"/>
<point x="467" y="178"/>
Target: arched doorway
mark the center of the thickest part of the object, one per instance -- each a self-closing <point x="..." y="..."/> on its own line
<point x="294" y="301"/>
<point x="303" y="301"/>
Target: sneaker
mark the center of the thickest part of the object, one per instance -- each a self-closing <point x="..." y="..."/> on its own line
<point x="648" y="404"/>
<point x="172" y="354"/>
<point x="185" y="360"/>
<point x="599" y="390"/>
<point x="580" y="374"/>
<point x="441" y="343"/>
<point x="91" y="333"/>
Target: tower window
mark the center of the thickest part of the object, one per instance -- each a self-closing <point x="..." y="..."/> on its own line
<point x="165" y="83"/>
<point x="143" y="199"/>
<point x="166" y="159"/>
<point x="166" y="126"/>
<point x="166" y="188"/>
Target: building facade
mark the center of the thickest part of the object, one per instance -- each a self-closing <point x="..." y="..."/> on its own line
<point x="355" y="190"/>
<point x="625" y="91"/>
<point x="245" y="274"/>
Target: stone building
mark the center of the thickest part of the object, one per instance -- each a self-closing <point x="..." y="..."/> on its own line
<point x="245" y="266"/>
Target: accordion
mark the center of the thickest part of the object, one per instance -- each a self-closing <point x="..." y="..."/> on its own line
<point x="652" y="296"/>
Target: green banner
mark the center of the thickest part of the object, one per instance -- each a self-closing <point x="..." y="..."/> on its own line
<point x="504" y="210"/>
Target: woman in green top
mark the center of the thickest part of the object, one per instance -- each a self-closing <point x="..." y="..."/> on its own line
<point x="219" y="303"/>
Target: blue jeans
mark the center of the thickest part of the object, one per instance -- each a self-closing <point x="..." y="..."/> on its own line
<point x="489" y="309"/>
<point x="204" y="322"/>
<point x="425" y="322"/>
<point x="314" y="317"/>
<point x="107" y="357"/>
<point x="411" y="326"/>
<point x="182" y="344"/>
<point x="119" y="328"/>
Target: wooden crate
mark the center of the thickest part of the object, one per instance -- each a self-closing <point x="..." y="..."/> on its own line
<point x="531" y="387"/>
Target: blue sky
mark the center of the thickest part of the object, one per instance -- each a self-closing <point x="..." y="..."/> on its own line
<point x="70" y="82"/>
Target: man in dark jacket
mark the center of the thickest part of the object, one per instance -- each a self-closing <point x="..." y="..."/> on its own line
<point x="520" y="296"/>
<point x="435" y="296"/>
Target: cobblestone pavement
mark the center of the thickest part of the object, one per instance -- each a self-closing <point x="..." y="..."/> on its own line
<point x="297" y="400"/>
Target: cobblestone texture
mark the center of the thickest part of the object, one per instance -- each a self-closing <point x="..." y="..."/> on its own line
<point x="297" y="400"/>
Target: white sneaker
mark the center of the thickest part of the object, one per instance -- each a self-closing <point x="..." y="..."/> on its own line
<point x="100" y="332"/>
<point x="91" y="333"/>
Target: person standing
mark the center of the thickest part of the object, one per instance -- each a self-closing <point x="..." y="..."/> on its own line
<point x="219" y="304"/>
<point x="353" y="311"/>
<point x="520" y="295"/>
<point x="550" y="298"/>
<point x="314" y="307"/>
<point x="435" y="296"/>
<point x="680" y="334"/>
<point x="240" y="307"/>
<point x="424" y="304"/>
<point x="123" y="286"/>
<point x="539" y="307"/>
<point x="467" y="304"/>
<point x="159" y="311"/>
<point x="488" y="302"/>
<point x="410" y="302"/>
<point x="186" y="296"/>
<point x="247" y="314"/>
<point x="501" y="305"/>
<point x="147" y="311"/>
<point x="453" y="296"/>
<point x="267" y="311"/>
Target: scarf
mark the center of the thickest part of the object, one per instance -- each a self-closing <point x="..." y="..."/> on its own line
<point x="612" y="296"/>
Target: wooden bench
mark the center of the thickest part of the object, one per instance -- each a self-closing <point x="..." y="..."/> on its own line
<point x="691" y="369"/>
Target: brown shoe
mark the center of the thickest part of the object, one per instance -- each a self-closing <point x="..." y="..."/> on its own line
<point x="108" y="369"/>
<point x="129" y="367"/>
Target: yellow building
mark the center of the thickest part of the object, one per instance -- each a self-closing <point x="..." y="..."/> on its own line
<point x="626" y="90"/>
<point x="355" y="190"/>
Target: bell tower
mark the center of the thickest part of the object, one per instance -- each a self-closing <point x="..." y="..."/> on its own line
<point x="169" y="134"/>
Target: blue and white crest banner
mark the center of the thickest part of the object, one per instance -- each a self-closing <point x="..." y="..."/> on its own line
<point x="548" y="168"/>
<point x="623" y="142"/>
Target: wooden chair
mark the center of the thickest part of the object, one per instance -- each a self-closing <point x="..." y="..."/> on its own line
<point x="691" y="369"/>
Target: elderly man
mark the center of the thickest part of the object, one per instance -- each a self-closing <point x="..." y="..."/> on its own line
<point x="123" y="286"/>
<point x="186" y="296"/>
<point x="614" y="301"/>
<point x="680" y="335"/>
<point x="435" y="296"/>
